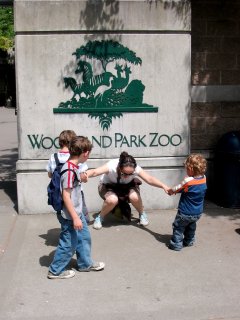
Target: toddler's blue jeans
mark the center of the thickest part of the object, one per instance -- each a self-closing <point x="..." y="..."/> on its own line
<point x="184" y="227"/>
<point x="71" y="241"/>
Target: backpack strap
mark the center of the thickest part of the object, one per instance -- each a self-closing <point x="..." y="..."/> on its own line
<point x="56" y="159"/>
<point x="76" y="177"/>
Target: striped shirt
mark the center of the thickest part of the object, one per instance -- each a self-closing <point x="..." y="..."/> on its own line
<point x="192" y="191"/>
<point x="63" y="156"/>
<point x="69" y="181"/>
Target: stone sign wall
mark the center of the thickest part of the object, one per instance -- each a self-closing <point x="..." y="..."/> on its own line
<point x="117" y="72"/>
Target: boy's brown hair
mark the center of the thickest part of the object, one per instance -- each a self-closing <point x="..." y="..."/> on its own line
<point x="78" y="145"/>
<point x="65" y="138"/>
<point x="196" y="163"/>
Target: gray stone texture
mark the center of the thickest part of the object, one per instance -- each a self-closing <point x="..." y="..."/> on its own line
<point x="85" y="15"/>
<point x="47" y="33"/>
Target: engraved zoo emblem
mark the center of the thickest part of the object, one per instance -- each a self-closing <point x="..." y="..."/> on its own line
<point x="104" y="93"/>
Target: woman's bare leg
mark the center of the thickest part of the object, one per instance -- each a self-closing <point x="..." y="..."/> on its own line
<point x="136" y="200"/>
<point x="111" y="200"/>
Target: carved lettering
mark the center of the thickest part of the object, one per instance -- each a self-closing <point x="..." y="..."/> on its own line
<point x="35" y="140"/>
<point x="153" y="139"/>
<point x="38" y="141"/>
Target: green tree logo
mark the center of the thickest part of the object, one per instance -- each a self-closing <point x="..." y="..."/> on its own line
<point x="105" y="95"/>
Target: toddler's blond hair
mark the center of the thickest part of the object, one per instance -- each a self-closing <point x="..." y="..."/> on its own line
<point x="197" y="163"/>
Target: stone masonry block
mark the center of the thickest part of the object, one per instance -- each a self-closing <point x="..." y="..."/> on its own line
<point x="230" y="77"/>
<point x="198" y="125"/>
<point x="206" y="44"/>
<point x="231" y="110"/>
<point x="221" y="61"/>
<point x="202" y="109"/>
<point x="206" y="77"/>
<point x="199" y="27"/>
<point x="207" y="10"/>
<point x="215" y="9"/>
<point x="222" y="28"/>
<point x="199" y="60"/>
<point x="69" y="57"/>
<point x="61" y="15"/>
<point x="230" y="45"/>
<point x="204" y="141"/>
<point x="221" y="125"/>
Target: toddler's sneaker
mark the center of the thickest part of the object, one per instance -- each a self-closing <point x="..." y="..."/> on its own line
<point x="98" y="222"/>
<point x="171" y="247"/>
<point x="97" y="266"/>
<point x="144" y="219"/>
<point x="190" y="244"/>
<point x="64" y="275"/>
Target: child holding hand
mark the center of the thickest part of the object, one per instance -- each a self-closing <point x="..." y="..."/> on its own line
<point x="75" y="236"/>
<point x="190" y="207"/>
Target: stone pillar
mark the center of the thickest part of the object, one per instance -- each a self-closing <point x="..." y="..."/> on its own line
<point x="115" y="71"/>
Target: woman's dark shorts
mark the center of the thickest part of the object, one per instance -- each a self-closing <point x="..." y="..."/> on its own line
<point x="121" y="190"/>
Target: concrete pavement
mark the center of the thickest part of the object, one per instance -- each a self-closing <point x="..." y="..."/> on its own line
<point x="8" y="158"/>
<point x="143" y="279"/>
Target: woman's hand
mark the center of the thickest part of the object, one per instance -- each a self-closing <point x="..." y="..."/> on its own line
<point x="166" y="189"/>
<point x="171" y="192"/>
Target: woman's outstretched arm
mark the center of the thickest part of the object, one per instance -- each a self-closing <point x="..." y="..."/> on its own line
<point x="153" y="181"/>
<point x="97" y="171"/>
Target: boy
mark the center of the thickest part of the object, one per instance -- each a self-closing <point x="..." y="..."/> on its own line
<point x="74" y="236"/>
<point x="63" y="154"/>
<point x="190" y="207"/>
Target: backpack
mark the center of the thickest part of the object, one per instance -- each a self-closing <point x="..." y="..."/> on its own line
<point x="53" y="189"/>
<point x="122" y="210"/>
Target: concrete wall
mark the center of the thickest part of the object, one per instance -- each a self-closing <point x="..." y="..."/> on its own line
<point x="47" y="34"/>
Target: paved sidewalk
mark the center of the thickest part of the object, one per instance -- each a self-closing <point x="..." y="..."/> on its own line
<point x="143" y="279"/>
<point x="8" y="190"/>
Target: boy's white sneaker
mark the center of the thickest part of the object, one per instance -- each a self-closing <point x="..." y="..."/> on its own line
<point x="64" y="275"/>
<point x="96" y="266"/>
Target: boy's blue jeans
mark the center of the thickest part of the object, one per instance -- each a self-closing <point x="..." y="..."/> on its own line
<point x="184" y="227"/>
<point x="71" y="241"/>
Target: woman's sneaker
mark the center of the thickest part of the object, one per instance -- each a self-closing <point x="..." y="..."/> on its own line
<point x="97" y="266"/>
<point x="64" y="275"/>
<point x="98" y="222"/>
<point x="144" y="219"/>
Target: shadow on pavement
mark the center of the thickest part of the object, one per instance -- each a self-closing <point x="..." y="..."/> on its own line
<point x="45" y="261"/>
<point x="8" y="174"/>
<point x="111" y="221"/>
<point x="10" y="188"/>
<point x="51" y="239"/>
<point x="215" y="211"/>
<point x="8" y="161"/>
<point x="238" y="230"/>
<point x="163" y="238"/>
